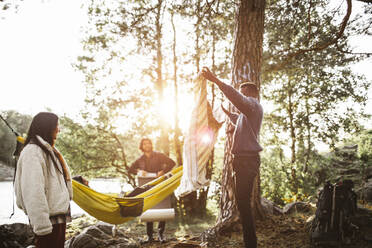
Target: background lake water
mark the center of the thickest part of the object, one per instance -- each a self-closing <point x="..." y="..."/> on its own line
<point x="7" y="193"/>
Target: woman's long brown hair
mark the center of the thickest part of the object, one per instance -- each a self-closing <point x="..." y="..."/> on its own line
<point x="43" y="124"/>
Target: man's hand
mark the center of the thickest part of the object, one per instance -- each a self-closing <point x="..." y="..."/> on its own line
<point x="207" y="74"/>
<point x="160" y="173"/>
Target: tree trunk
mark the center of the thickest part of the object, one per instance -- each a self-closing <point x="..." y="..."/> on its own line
<point x="246" y="64"/>
<point x="177" y="131"/>
<point x="164" y="138"/>
<point x="293" y="136"/>
<point x="290" y="110"/>
<point x="308" y="130"/>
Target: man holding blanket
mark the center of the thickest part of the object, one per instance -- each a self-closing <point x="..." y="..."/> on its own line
<point x="245" y="147"/>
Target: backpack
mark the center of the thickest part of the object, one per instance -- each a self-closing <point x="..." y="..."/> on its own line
<point x="337" y="203"/>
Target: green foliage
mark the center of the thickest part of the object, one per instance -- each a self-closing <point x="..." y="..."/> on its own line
<point x="283" y="182"/>
<point x="95" y="151"/>
<point x="348" y="160"/>
<point x="20" y="124"/>
<point x="309" y="88"/>
<point x="364" y="142"/>
<point x="315" y="96"/>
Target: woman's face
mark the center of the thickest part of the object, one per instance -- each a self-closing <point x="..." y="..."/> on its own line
<point x="55" y="132"/>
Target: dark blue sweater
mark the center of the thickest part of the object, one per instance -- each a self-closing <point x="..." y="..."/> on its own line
<point x="247" y="123"/>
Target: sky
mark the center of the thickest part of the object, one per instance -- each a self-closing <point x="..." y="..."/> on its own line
<point x="38" y="45"/>
<point x="40" y="42"/>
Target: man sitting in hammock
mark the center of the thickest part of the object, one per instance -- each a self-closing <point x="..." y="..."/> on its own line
<point x="158" y="164"/>
<point x="81" y="180"/>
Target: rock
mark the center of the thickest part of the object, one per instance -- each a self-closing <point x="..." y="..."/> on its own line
<point x="296" y="207"/>
<point x="24" y="232"/>
<point x="6" y="172"/>
<point x="79" y="215"/>
<point x="96" y="232"/>
<point x="105" y="227"/>
<point x="82" y="241"/>
<point x="270" y="207"/>
<point x="15" y="235"/>
<point x="100" y="235"/>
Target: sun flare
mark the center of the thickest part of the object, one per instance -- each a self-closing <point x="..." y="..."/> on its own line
<point x="167" y="110"/>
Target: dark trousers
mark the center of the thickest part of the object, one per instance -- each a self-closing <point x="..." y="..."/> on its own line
<point x="56" y="239"/>
<point x="246" y="169"/>
<point x="150" y="228"/>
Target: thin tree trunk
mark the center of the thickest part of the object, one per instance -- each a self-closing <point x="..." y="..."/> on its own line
<point x="308" y="137"/>
<point x="291" y="124"/>
<point x="164" y="138"/>
<point x="197" y="38"/>
<point x="290" y="110"/>
<point x="177" y="132"/>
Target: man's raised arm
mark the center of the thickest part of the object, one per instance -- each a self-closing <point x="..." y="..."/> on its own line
<point x="241" y="102"/>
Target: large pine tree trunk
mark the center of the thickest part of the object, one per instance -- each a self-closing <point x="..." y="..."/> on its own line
<point x="246" y="64"/>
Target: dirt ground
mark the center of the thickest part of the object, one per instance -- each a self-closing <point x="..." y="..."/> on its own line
<point x="286" y="231"/>
<point x="274" y="231"/>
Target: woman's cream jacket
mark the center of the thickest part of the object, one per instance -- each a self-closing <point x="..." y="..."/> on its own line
<point x="40" y="188"/>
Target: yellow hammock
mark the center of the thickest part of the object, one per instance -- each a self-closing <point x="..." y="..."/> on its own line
<point x="112" y="209"/>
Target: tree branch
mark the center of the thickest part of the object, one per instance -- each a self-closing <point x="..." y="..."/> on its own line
<point x="365" y="1"/>
<point x="309" y="22"/>
<point x="347" y="52"/>
<point x="317" y="47"/>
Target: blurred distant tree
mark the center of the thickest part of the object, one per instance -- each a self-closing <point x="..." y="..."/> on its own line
<point x="96" y="151"/>
<point x="145" y="22"/>
<point x="115" y="109"/>
<point x="177" y="130"/>
<point x="307" y="91"/>
<point x="363" y="140"/>
<point x="20" y="123"/>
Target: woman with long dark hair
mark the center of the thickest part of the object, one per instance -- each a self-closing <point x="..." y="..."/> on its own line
<point x="43" y="183"/>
